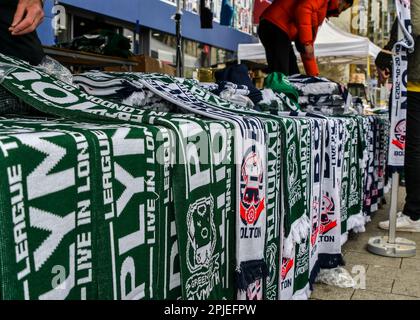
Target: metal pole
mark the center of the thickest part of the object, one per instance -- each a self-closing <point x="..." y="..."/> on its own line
<point x="179" y="55"/>
<point x="393" y="209"/>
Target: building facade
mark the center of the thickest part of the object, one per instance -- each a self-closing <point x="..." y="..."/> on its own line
<point x="149" y="24"/>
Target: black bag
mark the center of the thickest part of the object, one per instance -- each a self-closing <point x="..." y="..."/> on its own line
<point x="206" y="16"/>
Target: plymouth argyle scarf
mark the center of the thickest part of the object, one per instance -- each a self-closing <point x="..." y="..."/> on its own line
<point x="356" y="219"/>
<point x="206" y="263"/>
<point x="345" y="177"/>
<point x="112" y="235"/>
<point x="302" y="249"/>
<point x="401" y="49"/>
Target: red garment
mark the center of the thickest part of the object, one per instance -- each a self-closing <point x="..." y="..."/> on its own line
<point x="282" y="14"/>
<point x="259" y="7"/>
<point x="300" y="19"/>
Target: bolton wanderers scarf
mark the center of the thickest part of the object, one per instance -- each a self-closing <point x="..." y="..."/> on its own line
<point x="402" y="47"/>
<point x="317" y="168"/>
<point x="330" y="231"/>
<point x="294" y="215"/>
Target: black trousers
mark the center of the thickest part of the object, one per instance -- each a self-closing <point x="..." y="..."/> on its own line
<point x="412" y="157"/>
<point x="278" y="48"/>
<point x="26" y="47"/>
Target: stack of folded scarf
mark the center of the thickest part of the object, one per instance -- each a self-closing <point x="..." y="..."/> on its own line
<point x="237" y="94"/>
<point x="238" y="74"/>
<point x="274" y="102"/>
<point x="318" y="94"/>
<point x="119" y="90"/>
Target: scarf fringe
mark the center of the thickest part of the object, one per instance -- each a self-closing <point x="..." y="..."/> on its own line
<point x="303" y="294"/>
<point x="357" y="223"/>
<point x="249" y="272"/>
<point x="299" y="231"/>
<point x="387" y="188"/>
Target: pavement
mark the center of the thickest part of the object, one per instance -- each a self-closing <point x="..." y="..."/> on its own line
<point x="385" y="278"/>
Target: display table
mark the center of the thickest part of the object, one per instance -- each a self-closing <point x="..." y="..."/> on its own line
<point x="86" y="59"/>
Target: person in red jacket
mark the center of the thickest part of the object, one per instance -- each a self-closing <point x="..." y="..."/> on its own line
<point x="285" y="21"/>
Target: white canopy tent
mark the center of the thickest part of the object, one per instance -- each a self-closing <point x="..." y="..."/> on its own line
<point x="333" y="46"/>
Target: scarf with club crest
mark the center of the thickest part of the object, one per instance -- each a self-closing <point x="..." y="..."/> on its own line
<point x="330" y="230"/>
<point x="402" y="47"/>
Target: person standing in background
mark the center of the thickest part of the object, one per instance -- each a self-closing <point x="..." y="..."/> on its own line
<point x="18" y="38"/>
<point x="285" y="21"/>
<point x="409" y="219"/>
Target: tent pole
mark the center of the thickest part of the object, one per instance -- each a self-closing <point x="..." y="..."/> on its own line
<point x="179" y="55"/>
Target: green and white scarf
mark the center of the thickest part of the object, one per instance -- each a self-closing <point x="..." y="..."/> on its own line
<point x="52" y="96"/>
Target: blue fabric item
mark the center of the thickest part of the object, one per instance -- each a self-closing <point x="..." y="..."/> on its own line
<point x="226" y="13"/>
<point x="331" y="261"/>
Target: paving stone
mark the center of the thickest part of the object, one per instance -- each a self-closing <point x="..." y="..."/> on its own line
<point x="407" y="285"/>
<point x="371" y="259"/>
<point x="376" y="271"/>
<point x="409" y="275"/>
<point x="373" y="295"/>
<point x="379" y="284"/>
<point x="411" y="264"/>
<point x="325" y="292"/>
<point x="358" y="242"/>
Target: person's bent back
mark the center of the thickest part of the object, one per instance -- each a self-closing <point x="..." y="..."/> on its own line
<point x="300" y="20"/>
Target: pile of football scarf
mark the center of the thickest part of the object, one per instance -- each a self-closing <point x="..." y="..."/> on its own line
<point x="198" y="242"/>
<point x="209" y="201"/>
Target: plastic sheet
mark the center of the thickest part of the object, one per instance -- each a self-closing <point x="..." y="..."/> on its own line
<point x="56" y="69"/>
<point x="338" y="277"/>
<point x="5" y="69"/>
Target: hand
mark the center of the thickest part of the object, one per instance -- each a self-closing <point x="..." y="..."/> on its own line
<point x="29" y="15"/>
<point x="308" y="52"/>
<point x="383" y="76"/>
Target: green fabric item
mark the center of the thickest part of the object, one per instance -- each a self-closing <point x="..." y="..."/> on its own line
<point x="279" y="83"/>
<point x="301" y="285"/>
<point x="273" y="213"/>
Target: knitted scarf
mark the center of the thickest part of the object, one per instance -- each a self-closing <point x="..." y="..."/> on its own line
<point x="402" y="47"/>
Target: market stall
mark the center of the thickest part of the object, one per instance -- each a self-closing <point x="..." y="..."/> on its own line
<point x="332" y="45"/>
